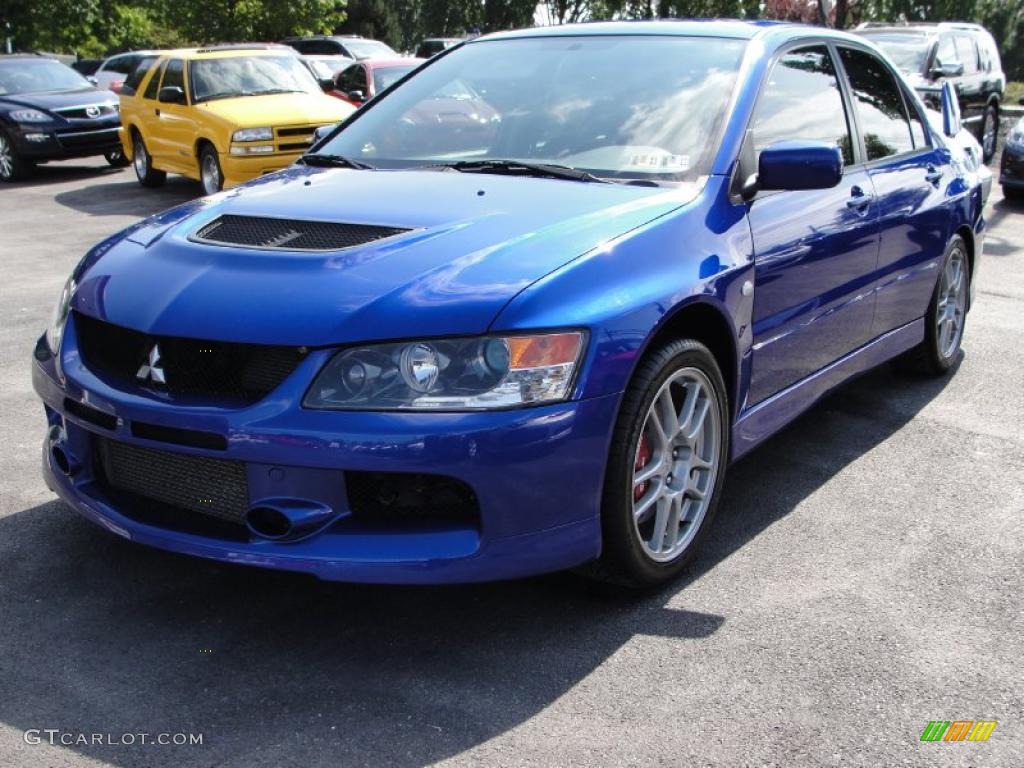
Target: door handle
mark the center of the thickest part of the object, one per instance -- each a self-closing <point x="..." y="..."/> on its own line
<point x="859" y="199"/>
<point x="156" y="112"/>
<point x="933" y="176"/>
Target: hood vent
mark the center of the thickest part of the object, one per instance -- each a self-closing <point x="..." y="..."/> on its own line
<point x="289" y="234"/>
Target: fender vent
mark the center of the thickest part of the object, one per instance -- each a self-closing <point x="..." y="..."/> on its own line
<point x="289" y="234"/>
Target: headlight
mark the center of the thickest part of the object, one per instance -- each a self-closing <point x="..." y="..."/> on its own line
<point x="55" y="332"/>
<point x="29" y="116"/>
<point x="253" y="134"/>
<point x="450" y="374"/>
<point x="1016" y="138"/>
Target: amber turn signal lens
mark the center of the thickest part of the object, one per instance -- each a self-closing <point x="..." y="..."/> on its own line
<point x="541" y="351"/>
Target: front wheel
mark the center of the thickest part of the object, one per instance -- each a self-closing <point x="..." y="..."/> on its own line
<point x="115" y="159"/>
<point x="666" y="466"/>
<point x="209" y="170"/>
<point x="947" y="313"/>
<point x="142" y="161"/>
<point x="13" y="166"/>
<point x="989" y="133"/>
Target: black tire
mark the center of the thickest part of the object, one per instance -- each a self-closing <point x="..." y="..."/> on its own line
<point x="624" y="560"/>
<point x="116" y="159"/>
<point x="211" y="177"/>
<point x="929" y="357"/>
<point x="142" y="161"/>
<point x="13" y="167"/>
<point x="1016" y="194"/>
<point x="989" y="121"/>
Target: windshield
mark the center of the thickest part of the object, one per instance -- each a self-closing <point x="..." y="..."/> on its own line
<point x="906" y="51"/>
<point x="631" y="107"/>
<point x="33" y="76"/>
<point x="368" y="49"/>
<point x="248" y="76"/>
<point x="385" y="76"/>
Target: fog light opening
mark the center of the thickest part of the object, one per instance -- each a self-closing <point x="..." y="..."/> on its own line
<point x="268" y="522"/>
<point x="61" y="460"/>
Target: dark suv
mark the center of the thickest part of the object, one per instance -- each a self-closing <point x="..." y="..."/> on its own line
<point x="353" y="46"/>
<point x="962" y="53"/>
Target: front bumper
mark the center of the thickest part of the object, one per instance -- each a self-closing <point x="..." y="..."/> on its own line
<point x="1011" y="169"/>
<point x="238" y="169"/>
<point x="537" y="474"/>
<point x="39" y="144"/>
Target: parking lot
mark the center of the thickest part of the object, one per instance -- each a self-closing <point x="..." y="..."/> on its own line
<point x="862" y="578"/>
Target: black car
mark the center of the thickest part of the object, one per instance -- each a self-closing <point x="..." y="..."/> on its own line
<point x="434" y="45"/>
<point x="1011" y="170"/>
<point x="353" y="46"/>
<point x="50" y="112"/>
<point x="962" y="53"/>
<point x="86" y="67"/>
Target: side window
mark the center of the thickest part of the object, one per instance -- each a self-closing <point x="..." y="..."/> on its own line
<point x="153" y="86"/>
<point x="133" y="80"/>
<point x="801" y="100"/>
<point x="117" y="65"/>
<point x="174" y="75"/>
<point x="352" y="79"/>
<point x="917" y="128"/>
<point x="967" y="52"/>
<point x="879" y="105"/>
<point x="946" y="54"/>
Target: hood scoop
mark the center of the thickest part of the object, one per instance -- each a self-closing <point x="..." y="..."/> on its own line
<point x="289" y="234"/>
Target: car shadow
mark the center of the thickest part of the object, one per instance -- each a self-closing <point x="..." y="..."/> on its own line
<point x="104" y="636"/>
<point x="125" y="197"/>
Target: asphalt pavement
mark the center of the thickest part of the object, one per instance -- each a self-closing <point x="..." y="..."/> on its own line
<point x="863" y="577"/>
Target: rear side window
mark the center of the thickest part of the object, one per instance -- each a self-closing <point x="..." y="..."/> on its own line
<point x="121" y="65"/>
<point x="801" y="100"/>
<point x="879" y="104"/>
<point x="967" y="53"/>
<point x="174" y="75"/>
<point x="133" y="81"/>
<point x="153" y="86"/>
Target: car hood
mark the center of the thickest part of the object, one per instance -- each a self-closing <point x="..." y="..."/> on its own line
<point x="279" y="109"/>
<point x="472" y="243"/>
<point x="79" y="97"/>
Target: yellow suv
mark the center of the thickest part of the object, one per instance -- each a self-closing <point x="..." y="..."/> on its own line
<point x="222" y="115"/>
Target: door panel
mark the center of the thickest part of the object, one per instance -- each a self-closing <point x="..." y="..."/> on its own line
<point x="814" y="255"/>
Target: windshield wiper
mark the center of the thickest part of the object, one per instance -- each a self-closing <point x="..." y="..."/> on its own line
<point x="335" y="161"/>
<point x="240" y="94"/>
<point x="518" y="167"/>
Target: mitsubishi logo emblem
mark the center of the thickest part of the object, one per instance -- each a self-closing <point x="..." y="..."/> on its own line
<point x="152" y="369"/>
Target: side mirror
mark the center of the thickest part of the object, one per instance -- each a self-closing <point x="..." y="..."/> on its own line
<point x="796" y="165"/>
<point x="326" y="84"/>
<point x="357" y="96"/>
<point x="950" y="106"/>
<point x="92" y="80"/>
<point x="172" y="94"/>
<point x="322" y="132"/>
<point x="948" y="70"/>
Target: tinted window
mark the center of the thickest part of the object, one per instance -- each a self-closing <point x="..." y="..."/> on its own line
<point x="802" y="101"/>
<point x="153" y="86"/>
<point x="319" y="47"/>
<point x="352" y="79"/>
<point x="174" y="75"/>
<point x="879" y="105"/>
<point x="967" y="53"/>
<point x="135" y="78"/>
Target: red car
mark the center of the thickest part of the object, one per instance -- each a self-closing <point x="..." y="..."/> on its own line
<point x="360" y="81"/>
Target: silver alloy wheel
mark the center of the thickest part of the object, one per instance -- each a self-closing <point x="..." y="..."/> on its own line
<point x="952" y="304"/>
<point x="988" y="133"/>
<point x="6" y="158"/>
<point x="211" y="174"/>
<point x="676" y="464"/>
<point x="140" y="159"/>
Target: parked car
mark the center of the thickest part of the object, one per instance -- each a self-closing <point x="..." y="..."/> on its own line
<point x="352" y="46"/>
<point x="86" y="67"/>
<point x="223" y="115"/>
<point x="1011" y="169"/>
<point x="360" y="81"/>
<point x="434" y="45"/>
<point x="48" y="111"/>
<point x="325" y="67"/>
<point x="115" y="70"/>
<point x="535" y="351"/>
<point x="960" y="53"/>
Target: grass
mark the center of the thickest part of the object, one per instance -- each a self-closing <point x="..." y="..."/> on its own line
<point x="1014" y="91"/>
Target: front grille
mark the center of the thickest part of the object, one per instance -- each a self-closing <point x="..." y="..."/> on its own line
<point x="290" y="234"/>
<point x="193" y="484"/>
<point x="81" y="113"/>
<point x="226" y="372"/>
<point x="304" y="130"/>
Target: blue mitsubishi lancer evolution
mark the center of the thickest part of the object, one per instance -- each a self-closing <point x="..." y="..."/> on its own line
<point x="520" y="312"/>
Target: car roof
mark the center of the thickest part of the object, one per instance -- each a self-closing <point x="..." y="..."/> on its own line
<point x="228" y="51"/>
<point x="26" y="57"/>
<point x="922" y="28"/>
<point x="386" y="63"/>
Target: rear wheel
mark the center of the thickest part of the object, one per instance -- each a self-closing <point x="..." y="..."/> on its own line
<point x="1013" y="193"/>
<point x="947" y="313"/>
<point x="988" y="134"/>
<point x="147" y="175"/>
<point x="209" y="170"/>
<point x="13" y="166"/>
<point x="666" y="466"/>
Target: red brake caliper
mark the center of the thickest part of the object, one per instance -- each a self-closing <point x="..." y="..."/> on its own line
<point x="643" y="456"/>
